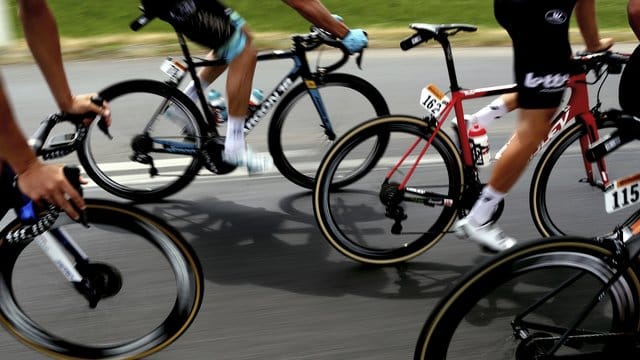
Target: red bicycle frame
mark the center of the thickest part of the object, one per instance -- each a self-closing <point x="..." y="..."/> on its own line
<point x="577" y="107"/>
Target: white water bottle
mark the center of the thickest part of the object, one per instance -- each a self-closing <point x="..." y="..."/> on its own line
<point x="256" y="97"/>
<point x="218" y="105"/>
<point x="480" y="141"/>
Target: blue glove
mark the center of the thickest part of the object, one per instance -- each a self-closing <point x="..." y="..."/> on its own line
<point x="338" y="17"/>
<point x="355" y="40"/>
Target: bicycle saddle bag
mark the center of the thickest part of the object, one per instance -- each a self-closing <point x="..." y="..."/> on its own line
<point x="628" y="90"/>
<point x="203" y="21"/>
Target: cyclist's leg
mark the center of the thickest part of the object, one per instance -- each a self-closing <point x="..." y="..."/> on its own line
<point x="541" y="77"/>
<point x="241" y="55"/>
<point x="206" y="75"/>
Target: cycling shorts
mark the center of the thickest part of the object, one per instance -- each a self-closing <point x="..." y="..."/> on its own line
<point x="628" y="87"/>
<point x="207" y="22"/>
<point x="539" y="30"/>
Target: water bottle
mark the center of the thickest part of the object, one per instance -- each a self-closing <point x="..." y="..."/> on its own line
<point x="256" y="97"/>
<point x="480" y="140"/>
<point x="218" y="105"/>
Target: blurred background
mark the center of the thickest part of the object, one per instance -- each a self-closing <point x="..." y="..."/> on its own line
<point x="382" y="19"/>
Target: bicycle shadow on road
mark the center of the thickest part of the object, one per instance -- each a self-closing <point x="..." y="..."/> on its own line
<point x="238" y="244"/>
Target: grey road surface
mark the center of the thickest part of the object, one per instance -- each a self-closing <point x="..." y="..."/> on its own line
<point x="275" y="289"/>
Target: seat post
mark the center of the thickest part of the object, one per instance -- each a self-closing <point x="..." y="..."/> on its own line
<point x="443" y="39"/>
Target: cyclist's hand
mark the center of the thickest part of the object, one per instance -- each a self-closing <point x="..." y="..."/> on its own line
<point x="355" y="40"/>
<point x="43" y="182"/>
<point x="82" y="104"/>
<point x="338" y="17"/>
<point x="605" y="44"/>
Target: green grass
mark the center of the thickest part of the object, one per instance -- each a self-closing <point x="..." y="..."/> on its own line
<point x="78" y="19"/>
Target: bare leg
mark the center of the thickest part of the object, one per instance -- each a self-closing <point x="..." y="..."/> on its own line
<point x="533" y="126"/>
<point x="633" y="14"/>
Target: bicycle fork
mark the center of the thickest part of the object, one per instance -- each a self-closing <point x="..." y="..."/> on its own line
<point x="94" y="281"/>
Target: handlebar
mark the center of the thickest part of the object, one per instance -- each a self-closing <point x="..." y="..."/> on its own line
<point x="317" y="37"/>
<point x="587" y="61"/>
<point x="70" y="142"/>
<point x="35" y="222"/>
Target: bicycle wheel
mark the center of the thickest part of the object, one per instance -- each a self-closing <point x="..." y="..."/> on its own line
<point x="297" y="139"/>
<point x="161" y="293"/>
<point x="517" y="305"/>
<point x="559" y="186"/>
<point x="156" y="131"/>
<point x="371" y="221"/>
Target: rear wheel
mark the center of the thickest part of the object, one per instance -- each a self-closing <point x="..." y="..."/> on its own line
<point x="371" y="220"/>
<point x="154" y="153"/>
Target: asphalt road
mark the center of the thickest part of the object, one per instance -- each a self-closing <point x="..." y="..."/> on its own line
<point x="275" y="289"/>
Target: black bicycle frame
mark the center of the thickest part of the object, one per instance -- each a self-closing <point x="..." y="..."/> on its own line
<point x="300" y="69"/>
<point x="521" y="327"/>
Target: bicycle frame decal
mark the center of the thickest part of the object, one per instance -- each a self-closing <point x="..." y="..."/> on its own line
<point x="174" y="147"/>
<point x="269" y="102"/>
<point x="50" y="246"/>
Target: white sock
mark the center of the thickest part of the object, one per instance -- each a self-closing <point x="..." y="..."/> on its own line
<point x="234" y="141"/>
<point x="190" y="89"/>
<point x="484" y="208"/>
<point x="493" y="111"/>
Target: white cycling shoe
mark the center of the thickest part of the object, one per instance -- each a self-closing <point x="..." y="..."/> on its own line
<point x="255" y="163"/>
<point x="488" y="235"/>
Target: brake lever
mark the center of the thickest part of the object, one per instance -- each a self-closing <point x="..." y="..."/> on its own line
<point x="102" y="123"/>
<point x="72" y="173"/>
<point x="359" y="59"/>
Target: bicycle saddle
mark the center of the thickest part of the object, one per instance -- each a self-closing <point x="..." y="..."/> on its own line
<point x="438" y="29"/>
<point x="426" y="32"/>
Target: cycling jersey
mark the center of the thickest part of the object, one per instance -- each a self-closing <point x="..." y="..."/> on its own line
<point x="539" y="30"/>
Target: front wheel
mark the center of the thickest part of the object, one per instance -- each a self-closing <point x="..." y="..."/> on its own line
<point x="298" y="139"/>
<point x="565" y="198"/>
<point x="160" y="279"/>
<point x="157" y="132"/>
<point x="372" y="220"/>
<point x="518" y="305"/>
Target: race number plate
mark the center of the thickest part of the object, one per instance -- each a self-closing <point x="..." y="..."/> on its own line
<point x="624" y="193"/>
<point x="174" y="68"/>
<point x="433" y="100"/>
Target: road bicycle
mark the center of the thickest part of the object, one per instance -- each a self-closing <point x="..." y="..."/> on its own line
<point x="410" y="198"/>
<point x="148" y="156"/>
<point x="127" y="283"/>
<point x="553" y="298"/>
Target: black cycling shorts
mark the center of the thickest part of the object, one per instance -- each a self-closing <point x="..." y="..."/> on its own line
<point x="206" y="22"/>
<point x="628" y="87"/>
<point x="539" y="30"/>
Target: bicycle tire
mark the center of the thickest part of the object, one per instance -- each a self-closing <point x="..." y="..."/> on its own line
<point x="345" y="215"/>
<point x="441" y="336"/>
<point x="559" y="176"/>
<point x="129" y="220"/>
<point x="297" y="104"/>
<point x="115" y="171"/>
